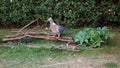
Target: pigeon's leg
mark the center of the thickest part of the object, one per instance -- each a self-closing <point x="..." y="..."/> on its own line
<point x="53" y="35"/>
<point x="58" y="35"/>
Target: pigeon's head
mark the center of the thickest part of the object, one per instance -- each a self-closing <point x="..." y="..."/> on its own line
<point x="51" y="21"/>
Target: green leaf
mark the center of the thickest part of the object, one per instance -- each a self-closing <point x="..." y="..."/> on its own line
<point x="92" y="36"/>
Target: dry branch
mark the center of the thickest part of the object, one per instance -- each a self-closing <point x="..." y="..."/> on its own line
<point x="27" y="33"/>
<point x="60" y="47"/>
<point x="13" y="38"/>
<point x="6" y="46"/>
<point x="27" y="25"/>
<point x="18" y="37"/>
<point x="35" y="33"/>
<point x="53" y="38"/>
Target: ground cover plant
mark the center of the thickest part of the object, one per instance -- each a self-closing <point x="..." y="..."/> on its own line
<point x="93" y="36"/>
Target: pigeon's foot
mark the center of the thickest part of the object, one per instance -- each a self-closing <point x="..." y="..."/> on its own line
<point x="57" y="37"/>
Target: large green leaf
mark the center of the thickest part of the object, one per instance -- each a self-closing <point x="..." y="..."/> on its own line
<point x="93" y="36"/>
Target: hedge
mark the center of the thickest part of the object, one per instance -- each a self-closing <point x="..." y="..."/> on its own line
<point x="73" y="13"/>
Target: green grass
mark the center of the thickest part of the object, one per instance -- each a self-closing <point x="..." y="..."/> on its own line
<point x="22" y="57"/>
<point x="4" y="32"/>
<point x="30" y="58"/>
<point x="111" y="65"/>
<point x="113" y="47"/>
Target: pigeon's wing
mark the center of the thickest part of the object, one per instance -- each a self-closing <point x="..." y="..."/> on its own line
<point x="54" y="28"/>
<point x="60" y="28"/>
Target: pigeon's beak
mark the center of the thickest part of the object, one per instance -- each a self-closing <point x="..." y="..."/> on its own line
<point x="47" y="20"/>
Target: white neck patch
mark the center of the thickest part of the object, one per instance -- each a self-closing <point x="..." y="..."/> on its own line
<point x="53" y="24"/>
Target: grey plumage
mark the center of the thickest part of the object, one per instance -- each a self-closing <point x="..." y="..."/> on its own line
<point x="61" y="29"/>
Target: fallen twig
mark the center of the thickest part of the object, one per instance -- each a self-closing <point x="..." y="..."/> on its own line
<point x="63" y="47"/>
<point x="27" y="25"/>
<point x="47" y="37"/>
<point x="27" y="33"/>
<point x="6" y="46"/>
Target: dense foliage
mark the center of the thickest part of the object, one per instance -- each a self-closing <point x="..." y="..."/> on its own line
<point x="93" y="36"/>
<point x="73" y="13"/>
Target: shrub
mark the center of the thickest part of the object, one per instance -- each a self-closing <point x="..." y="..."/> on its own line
<point x="93" y="36"/>
<point x="68" y="12"/>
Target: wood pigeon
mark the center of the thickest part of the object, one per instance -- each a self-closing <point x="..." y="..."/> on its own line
<point x="56" y="29"/>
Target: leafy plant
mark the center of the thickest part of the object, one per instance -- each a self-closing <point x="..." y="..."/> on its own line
<point x="67" y="12"/>
<point x="93" y="36"/>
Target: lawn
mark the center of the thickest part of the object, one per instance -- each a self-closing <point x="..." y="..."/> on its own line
<point x="108" y="56"/>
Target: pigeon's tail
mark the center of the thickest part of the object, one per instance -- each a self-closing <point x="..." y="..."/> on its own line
<point x="66" y="28"/>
